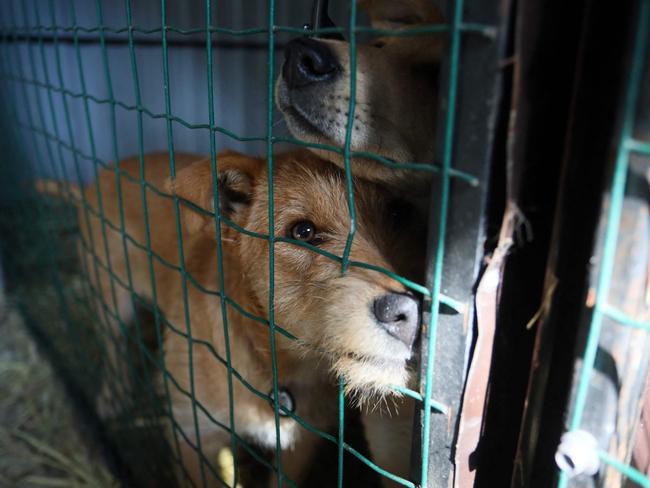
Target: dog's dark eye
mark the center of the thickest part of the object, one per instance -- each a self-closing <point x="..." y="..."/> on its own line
<point x="305" y="231"/>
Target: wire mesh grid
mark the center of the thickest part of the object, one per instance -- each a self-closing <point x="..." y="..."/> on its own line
<point x="627" y="146"/>
<point x="28" y="23"/>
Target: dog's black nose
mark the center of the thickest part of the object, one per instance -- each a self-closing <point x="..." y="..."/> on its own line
<point x="397" y="313"/>
<point x="308" y="61"/>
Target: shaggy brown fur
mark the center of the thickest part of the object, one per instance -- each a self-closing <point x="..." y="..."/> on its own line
<point x="329" y="312"/>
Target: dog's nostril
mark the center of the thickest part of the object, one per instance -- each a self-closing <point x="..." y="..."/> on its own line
<point x="308" y="64"/>
<point x="308" y="61"/>
<point x="397" y="314"/>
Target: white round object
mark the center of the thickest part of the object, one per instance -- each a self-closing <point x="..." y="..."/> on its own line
<point x="578" y="453"/>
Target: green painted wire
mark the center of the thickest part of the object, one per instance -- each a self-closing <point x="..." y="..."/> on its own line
<point x="640" y="147"/>
<point x="118" y="182"/>
<point x="446" y="300"/>
<point x="166" y="263"/>
<point x="148" y="387"/>
<point x="68" y="124"/>
<point x="348" y="136"/>
<point x="623" y="318"/>
<point x="18" y="63"/>
<point x="351" y="205"/>
<point x="140" y="108"/>
<point x="485" y="30"/>
<point x="613" y="219"/>
<point x="411" y="166"/>
<point x="625" y="469"/>
<point x="143" y="197"/>
<point x="217" y="221"/>
<point x="55" y="278"/>
<point x="431" y="331"/>
<point x="458" y="306"/>
<point x="481" y="29"/>
<point x="138" y="30"/>
<point x="270" y="141"/>
<point x="252" y="389"/>
<point x="97" y="295"/>
<point x="100" y="207"/>
<point x="91" y="139"/>
<point x="40" y="158"/>
<point x="452" y="303"/>
<point x="614" y="213"/>
<point x="271" y="216"/>
<point x="437" y="406"/>
<point x="57" y="285"/>
<point x="38" y="103"/>
<point x="12" y="107"/>
<point x="179" y="232"/>
<point x="350" y="449"/>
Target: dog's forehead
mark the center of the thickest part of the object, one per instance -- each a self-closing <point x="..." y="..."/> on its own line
<point x="307" y="184"/>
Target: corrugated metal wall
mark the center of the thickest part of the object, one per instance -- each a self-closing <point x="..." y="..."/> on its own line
<point x="240" y="75"/>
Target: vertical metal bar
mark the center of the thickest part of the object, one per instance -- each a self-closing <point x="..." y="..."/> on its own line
<point x="100" y="205"/>
<point x="350" y="200"/>
<point x="442" y="227"/>
<point x="65" y="183"/>
<point x="613" y="218"/>
<point x="348" y="135"/>
<point x="269" y="158"/>
<point x="179" y="231"/>
<point x="118" y="184"/>
<point x="143" y="195"/>
<point x="53" y="117"/>
<point x="58" y="288"/>
<point x="220" y="267"/>
<point x="55" y="278"/>
<point x="614" y="214"/>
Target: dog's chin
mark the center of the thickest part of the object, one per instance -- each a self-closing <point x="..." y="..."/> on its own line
<point x="369" y="379"/>
<point x="300" y="122"/>
<point x="302" y="128"/>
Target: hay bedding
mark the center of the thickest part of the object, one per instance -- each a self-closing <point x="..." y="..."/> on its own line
<point x="40" y="441"/>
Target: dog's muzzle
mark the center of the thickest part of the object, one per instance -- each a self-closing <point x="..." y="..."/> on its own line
<point x="308" y="61"/>
<point x="397" y="314"/>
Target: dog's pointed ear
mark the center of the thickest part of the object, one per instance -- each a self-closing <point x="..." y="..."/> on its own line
<point x="236" y="175"/>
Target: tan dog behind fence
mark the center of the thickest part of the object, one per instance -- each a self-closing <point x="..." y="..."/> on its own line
<point x="396" y="93"/>
<point x="360" y="325"/>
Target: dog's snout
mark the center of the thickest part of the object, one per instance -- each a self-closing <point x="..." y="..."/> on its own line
<point x="308" y="61"/>
<point x="397" y="313"/>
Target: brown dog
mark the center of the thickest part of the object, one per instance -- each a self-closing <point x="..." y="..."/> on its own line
<point x="395" y="117"/>
<point x="360" y="325"/>
<point x="396" y="93"/>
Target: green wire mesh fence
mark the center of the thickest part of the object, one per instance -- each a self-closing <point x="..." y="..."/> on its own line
<point x="37" y="94"/>
<point x="585" y="401"/>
